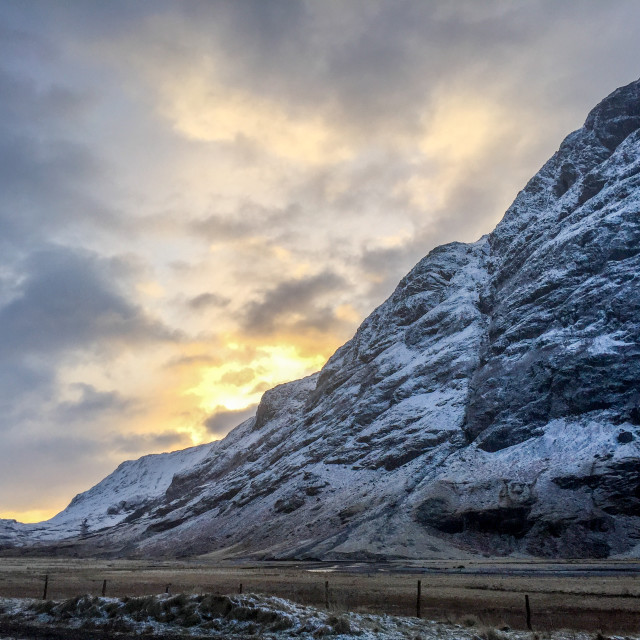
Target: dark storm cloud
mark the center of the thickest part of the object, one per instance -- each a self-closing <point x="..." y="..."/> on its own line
<point x="287" y="298"/>
<point x="46" y="175"/>
<point x="37" y="173"/>
<point x="67" y="301"/>
<point x="220" y="423"/>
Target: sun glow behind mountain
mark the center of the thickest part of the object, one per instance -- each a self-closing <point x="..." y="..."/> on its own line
<point x="233" y="385"/>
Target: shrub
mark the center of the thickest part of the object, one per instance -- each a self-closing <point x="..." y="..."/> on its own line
<point x="339" y="625"/>
<point x="217" y="606"/>
<point x="116" y="625"/>
<point x="190" y="620"/>
<point x="141" y="608"/>
<point x="45" y="606"/>
<point x="492" y="634"/>
<point x="178" y="601"/>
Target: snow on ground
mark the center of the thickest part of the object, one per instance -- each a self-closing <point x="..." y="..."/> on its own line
<point x="239" y="616"/>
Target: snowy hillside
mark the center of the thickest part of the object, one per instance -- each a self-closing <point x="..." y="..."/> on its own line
<point x="491" y="404"/>
<point x="134" y="484"/>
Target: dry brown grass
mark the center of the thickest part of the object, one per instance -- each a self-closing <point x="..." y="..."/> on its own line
<point x="591" y="601"/>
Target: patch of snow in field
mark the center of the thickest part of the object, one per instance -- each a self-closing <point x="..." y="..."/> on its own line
<point x="239" y="616"/>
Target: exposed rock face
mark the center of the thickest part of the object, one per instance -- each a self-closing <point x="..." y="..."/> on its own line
<point x="491" y="404"/>
<point x="563" y="303"/>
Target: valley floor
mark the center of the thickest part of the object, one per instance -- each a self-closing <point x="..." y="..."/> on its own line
<point x="588" y="596"/>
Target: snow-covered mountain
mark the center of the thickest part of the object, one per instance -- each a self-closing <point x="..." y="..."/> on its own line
<point x="491" y="404"/>
<point x="130" y="487"/>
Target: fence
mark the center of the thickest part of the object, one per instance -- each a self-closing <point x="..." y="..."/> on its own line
<point x="541" y="609"/>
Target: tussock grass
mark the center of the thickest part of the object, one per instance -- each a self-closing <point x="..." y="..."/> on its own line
<point x="489" y="633"/>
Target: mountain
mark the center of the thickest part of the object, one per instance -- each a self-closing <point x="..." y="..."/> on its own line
<point x="490" y="405"/>
<point x="132" y="485"/>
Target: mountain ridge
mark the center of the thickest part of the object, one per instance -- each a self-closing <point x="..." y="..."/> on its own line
<point x="489" y="405"/>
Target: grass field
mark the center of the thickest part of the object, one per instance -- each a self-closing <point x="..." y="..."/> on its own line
<point x="597" y="596"/>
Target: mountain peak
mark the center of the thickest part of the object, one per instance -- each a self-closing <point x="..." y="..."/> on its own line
<point x="618" y="115"/>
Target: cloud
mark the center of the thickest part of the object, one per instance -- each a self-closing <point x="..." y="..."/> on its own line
<point x="208" y="299"/>
<point x="67" y="301"/>
<point x="289" y="299"/>
<point x="67" y="310"/>
<point x="189" y="361"/>
<point x="30" y="468"/>
<point x="48" y="179"/>
<point x="238" y="378"/>
<point x="218" y="424"/>
<point x="202" y="111"/>
<point x="26" y="386"/>
<point x="249" y="219"/>
<point x="92" y="405"/>
<point x="362" y="69"/>
<point x="141" y="444"/>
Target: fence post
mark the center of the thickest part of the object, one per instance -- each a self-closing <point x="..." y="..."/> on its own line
<point x="168" y="589"/>
<point x="240" y="589"/>
<point x="418" y="598"/>
<point x="46" y="584"/>
<point x="528" y="610"/>
<point x="104" y="588"/>
<point x="326" y="594"/>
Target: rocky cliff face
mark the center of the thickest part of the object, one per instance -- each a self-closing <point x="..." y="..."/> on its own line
<point x="562" y="300"/>
<point x="491" y="404"/>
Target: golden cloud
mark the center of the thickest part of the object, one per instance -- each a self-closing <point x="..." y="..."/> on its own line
<point x="459" y="131"/>
<point x="204" y="110"/>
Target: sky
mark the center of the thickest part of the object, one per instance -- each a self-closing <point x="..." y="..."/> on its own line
<point x="201" y="200"/>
